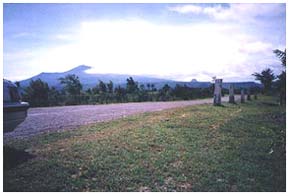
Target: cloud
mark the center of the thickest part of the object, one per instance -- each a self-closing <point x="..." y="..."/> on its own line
<point x="141" y="47"/>
<point x="10" y="56"/>
<point x="256" y="47"/>
<point x="234" y="12"/>
<point x="185" y="9"/>
<point x="223" y="46"/>
<point x="22" y="35"/>
<point x="64" y="37"/>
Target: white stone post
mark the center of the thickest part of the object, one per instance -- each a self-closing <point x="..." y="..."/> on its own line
<point x="217" y="99"/>
<point x="231" y="94"/>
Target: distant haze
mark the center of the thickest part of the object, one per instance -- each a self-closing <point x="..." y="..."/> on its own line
<point x="90" y="80"/>
<point x="171" y="41"/>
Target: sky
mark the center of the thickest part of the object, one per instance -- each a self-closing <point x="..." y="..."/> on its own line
<point x="172" y="41"/>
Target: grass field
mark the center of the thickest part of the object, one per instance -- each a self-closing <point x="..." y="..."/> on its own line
<point x="199" y="148"/>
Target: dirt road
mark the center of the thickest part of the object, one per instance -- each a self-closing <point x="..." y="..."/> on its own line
<point x="48" y="119"/>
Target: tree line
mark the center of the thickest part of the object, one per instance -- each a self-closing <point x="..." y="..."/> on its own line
<point x="38" y="93"/>
<point x="274" y="84"/>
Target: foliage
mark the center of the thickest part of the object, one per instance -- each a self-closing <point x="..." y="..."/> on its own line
<point x="281" y="82"/>
<point x="266" y="77"/>
<point x="72" y="87"/>
<point x="37" y="93"/>
<point x="120" y="94"/>
<point x="166" y="93"/>
<point x="281" y="55"/>
<point x="102" y="87"/>
<point x="104" y="93"/>
<point x="110" y="87"/>
<point x="54" y="96"/>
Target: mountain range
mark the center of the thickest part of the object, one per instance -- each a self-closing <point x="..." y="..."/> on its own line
<point x="89" y="80"/>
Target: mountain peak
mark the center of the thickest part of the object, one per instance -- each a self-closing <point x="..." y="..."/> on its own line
<point x="80" y="68"/>
<point x="193" y="80"/>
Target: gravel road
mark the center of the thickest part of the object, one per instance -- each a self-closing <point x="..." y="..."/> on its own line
<point x="48" y="119"/>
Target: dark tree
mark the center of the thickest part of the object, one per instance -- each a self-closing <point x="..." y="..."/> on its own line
<point x="153" y="87"/>
<point x="131" y="86"/>
<point x="165" y="94"/>
<point x="54" y="97"/>
<point x="95" y="90"/>
<point x="281" y="55"/>
<point x="37" y="93"/>
<point x="266" y="77"/>
<point x="72" y="84"/>
<point x="148" y="86"/>
<point x="17" y="84"/>
<point x="281" y="82"/>
<point x="102" y="87"/>
<point x="120" y="94"/>
<point x="143" y="93"/>
<point x="102" y="90"/>
<point x="110" y="86"/>
<point x="72" y="87"/>
<point x="132" y="90"/>
<point x="89" y="91"/>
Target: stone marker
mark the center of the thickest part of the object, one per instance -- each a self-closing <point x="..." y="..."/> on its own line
<point x="242" y="96"/>
<point x="217" y="99"/>
<point x="232" y="94"/>
<point x="249" y="94"/>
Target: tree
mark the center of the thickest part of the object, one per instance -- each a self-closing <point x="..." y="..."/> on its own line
<point x="37" y="93"/>
<point x="131" y="86"/>
<point x="281" y="82"/>
<point x="110" y="92"/>
<point x="72" y="87"/>
<point x="95" y="90"/>
<point x="183" y="92"/>
<point x="72" y="84"/>
<point x="120" y="94"/>
<point x="153" y="87"/>
<point x="132" y="90"/>
<point x="266" y="77"/>
<point x="89" y="91"/>
<point x="148" y="86"/>
<point x="17" y="84"/>
<point x="165" y="94"/>
<point x="281" y="55"/>
<point x="110" y="87"/>
<point x="102" y="87"/>
<point x="54" y="97"/>
<point x="143" y="94"/>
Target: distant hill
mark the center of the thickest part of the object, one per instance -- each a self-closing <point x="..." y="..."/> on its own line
<point x="90" y="80"/>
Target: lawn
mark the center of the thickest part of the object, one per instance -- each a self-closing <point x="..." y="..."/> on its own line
<point x="199" y="148"/>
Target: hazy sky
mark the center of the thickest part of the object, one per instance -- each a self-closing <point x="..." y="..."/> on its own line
<point x="175" y="41"/>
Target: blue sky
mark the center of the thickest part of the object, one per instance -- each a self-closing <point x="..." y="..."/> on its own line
<point x="175" y="41"/>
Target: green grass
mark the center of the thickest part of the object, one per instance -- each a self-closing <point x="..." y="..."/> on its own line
<point x="199" y="148"/>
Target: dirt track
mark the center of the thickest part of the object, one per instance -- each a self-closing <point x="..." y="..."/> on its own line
<point x="48" y="119"/>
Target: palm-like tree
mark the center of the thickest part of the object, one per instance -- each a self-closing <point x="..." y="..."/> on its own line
<point x="266" y="77"/>
<point x="281" y="55"/>
<point x="281" y="82"/>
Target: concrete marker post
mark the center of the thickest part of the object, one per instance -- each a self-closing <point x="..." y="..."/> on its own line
<point x="231" y="94"/>
<point x="217" y="99"/>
